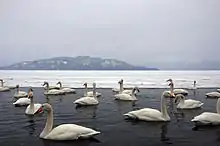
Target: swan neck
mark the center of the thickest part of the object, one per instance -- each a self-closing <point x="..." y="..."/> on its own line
<point x="171" y="88"/>
<point x="164" y="108"/>
<point x="94" y="91"/>
<point x="86" y="90"/>
<point x="60" y="85"/>
<point x="17" y="90"/>
<point x="121" y="87"/>
<point x="32" y="105"/>
<point x="49" y="124"/>
<point x="218" y="106"/>
<point x="2" y="83"/>
<point x="182" y="100"/>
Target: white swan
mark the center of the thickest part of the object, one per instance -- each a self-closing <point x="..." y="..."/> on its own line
<point x="2" y="88"/>
<point x="66" y="90"/>
<point x="187" y="104"/>
<point x="213" y="95"/>
<point x="90" y="93"/>
<point x="149" y="114"/>
<point x="19" y="94"/>
<point x="127" y="97"/>
<point x="208" y="118"/>
<point x="88" y="100"/>
<point x="218" y="90"/>
<point x="52" y="91"/>
<point x="22" y="101"/>
<point x="176" y="91"/>
<point x="33" y="108"/>
<point x="64" y="131"/>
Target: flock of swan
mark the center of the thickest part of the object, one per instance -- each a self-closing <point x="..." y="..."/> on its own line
<point x="74" y="132"/>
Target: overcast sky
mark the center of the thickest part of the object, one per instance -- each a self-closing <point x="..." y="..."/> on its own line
<point x="142" y="32"/>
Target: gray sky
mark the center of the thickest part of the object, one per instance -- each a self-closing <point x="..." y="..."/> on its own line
<point x="143" y="32"/>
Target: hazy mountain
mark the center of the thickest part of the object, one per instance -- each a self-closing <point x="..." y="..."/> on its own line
<point x="74" y="63"/>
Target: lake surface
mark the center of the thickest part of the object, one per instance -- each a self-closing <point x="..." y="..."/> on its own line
<point x="17" y="129"/>
<point x="109" y="79"/>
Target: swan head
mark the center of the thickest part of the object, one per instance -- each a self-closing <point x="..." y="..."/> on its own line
<point x="46" y="107"/>
<point x="169" y="80"/>
<point x="94" y="85"/>
<point x="136" y="89"/>
<point x="17" y="86"/>
<point x="30" y="93"/>
<point x="85" y="84"/>
<point x="179" y="97"/>
<point x="1" y="80"/>
<point x="121" y="81"/>
<point x="45" y="83"/>
<point x="59" y="83"/>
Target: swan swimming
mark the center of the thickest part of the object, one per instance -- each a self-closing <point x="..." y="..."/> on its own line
<point x="175" y="91"/>
<point x="187" y="104"/>
<point x="208" y="118"/>
<point x="50" y="87"/>
<point x="64" y="131"/>
<point x="88" y="100"/>
<point x="2" y="88"/>
<point x="90" y="93"/>
<point x="33" y="108"/>
<point x="127" y="97"/>
<point x="22" y="101"/>
<point x="66" y="90"/>
<point x="213" y="95"/>
<point x="52" y="91"/>
<point x="19" y="94"/>
<point x="149" y="114"/>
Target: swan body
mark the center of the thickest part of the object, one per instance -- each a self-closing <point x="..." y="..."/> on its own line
<point x="33" y="108"/>
<point x="2" y="87"/>
<point x="121" y="89"/>
<point x="66" y="90"/>
<point x="180" y="91"/>
<point x="218" y="90"/>
<point x="208" y="118"/>
<point x="127" y="97"/>
<point x="213" y="95"/>
<point x="22" y="102"/>
<point x="64" y="131"/>
<point x="187" y="104"/>
<point x="88" y="100"/>
<point x="148" y="114"/>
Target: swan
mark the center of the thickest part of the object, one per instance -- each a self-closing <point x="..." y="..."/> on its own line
<point x="22" y="101"/>
<point x="127" y="97"/>
<point x="90" y="93"/>
<point x="2" y="88"/>
<point x="52" y="91"/>
<point x="208" y="118"/>
<point x="218" y="90"/>
<point x="194" y="85"/>
<point x="176" y="91"/>
<point x="66" y="90"/>
<point x="64" y="131"/>
<point x="33" y="108"/>
<point x="50" y="87"/>
<point x="20" y="94"/>
<point x="121" y="89"/>
<point x="149" y="114"/>
<point x="88" y="100"/>
<point x="187" y="104"/>
<point x="213" y="95"/>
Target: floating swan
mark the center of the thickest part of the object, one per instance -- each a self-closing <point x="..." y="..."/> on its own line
<point x="64" y="131"/>
<point x="50" y="87"/>
<point x="213" y="95"/>
<point x="22" y="102"/>
<point x="52" y="91"/>
<point x="88" y="100"/>
<point x="148" y="114"/>
<point x="90" y="93"/>
<point x="187" y="104"/>
<point x="121" y="89"/>
<point x="218" y="90"/>
<point x="127" y="97"/>
<point x="20" y="94"/>
<point x="173" y="91"/>
<point x="33" y="108"/>
<point x="2" y="88"/>
<point x="208" y="118"/>
<point x="66" y="90"/>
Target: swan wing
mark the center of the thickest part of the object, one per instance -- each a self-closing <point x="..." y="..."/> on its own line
<point x="70" y="132"/>
<point x="146" y="114"/>
<point x="127" y="91"/>
<point x="207" y="118"/>
<point x="123" y="96"/>
<point x="180" y="91"/>
<point x="86" y="101"/>
<point x="90" y="94"/>
<point x="189" y="103"/>
<point x="22" y="101"/>
<point x="213" y="94"/>
<point x="68" y="90"/>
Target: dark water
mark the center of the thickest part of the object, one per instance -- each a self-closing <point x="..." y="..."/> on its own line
<point x="17" y="129"/>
